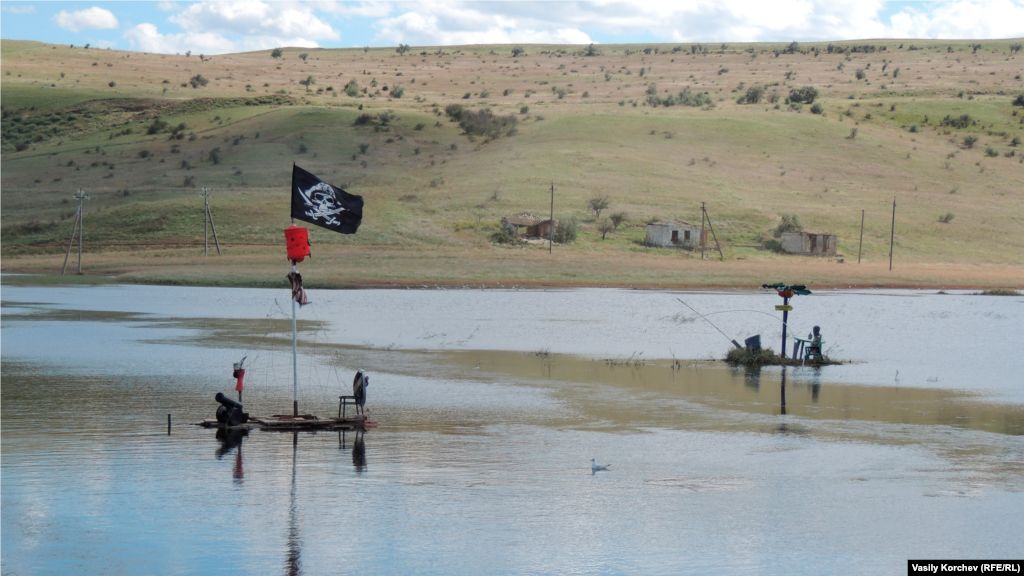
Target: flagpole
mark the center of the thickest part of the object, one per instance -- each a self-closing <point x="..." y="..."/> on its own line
<point x="295" y="355"/>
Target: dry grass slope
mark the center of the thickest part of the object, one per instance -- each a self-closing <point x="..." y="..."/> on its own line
<point x="131" y="130"/>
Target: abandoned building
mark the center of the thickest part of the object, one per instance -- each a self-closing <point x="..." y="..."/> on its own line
<point x="536" y="226"/>
<point x="809" y="243"/>
<point x="678" y="234"/>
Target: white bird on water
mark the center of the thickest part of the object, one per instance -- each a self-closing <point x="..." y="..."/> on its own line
<point x="595" y="467"/>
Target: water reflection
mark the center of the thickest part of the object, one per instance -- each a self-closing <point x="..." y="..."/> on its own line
<point x="752" y="377"/>
<point x="293" y="561"/>
<point x="782" y="388"/>
<point x="229" y="440"/>
<point x="358" y="448"/>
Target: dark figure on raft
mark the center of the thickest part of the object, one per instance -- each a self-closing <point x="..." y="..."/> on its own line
<point x="359" y="386"/>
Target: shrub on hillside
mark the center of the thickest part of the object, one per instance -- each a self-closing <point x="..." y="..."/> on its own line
<point x="788" y="223"/>
<point x="753" y="95"/>
<point x="485" y="123"/>
<point x="198" y="80"/>
<point x="805" y="95"/>
<point x="567" y="230"/>
<point x="961" y="122"/>
<point x="685" y="98"/>
<point x="277" y="53"/>
<point x="454" y="111"/>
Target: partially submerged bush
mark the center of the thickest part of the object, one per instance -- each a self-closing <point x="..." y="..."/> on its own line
<point x="1001" y="292"/>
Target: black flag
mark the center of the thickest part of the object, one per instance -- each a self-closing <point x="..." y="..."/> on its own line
<point x="317" y="202"/>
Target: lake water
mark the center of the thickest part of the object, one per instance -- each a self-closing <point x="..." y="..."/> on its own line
<point x="491" y="404"/>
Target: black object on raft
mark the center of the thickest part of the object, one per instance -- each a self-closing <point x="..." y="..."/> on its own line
<point x="230" y="412"/>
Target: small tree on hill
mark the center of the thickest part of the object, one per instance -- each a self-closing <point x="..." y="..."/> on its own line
<point x="617" y="218"/>
<point x="597" y="204"/>
<point x="277" y="53"/>
<point x="198" y="80"/>
<point x="402" y="48"/>
<point x="788" y="223"/>
<point x="518" y="51"/>
<point x="304" y="55"/>
<point x="604" y="228"/>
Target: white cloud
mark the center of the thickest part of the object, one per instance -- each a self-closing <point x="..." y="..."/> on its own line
<point x="446" y="23"/>
<point x="147" y="38"/>
<point x="216" y="27"/>
<point x="254" y="18"/>
<point x="95" y="18"/>
<point x="29" y="9"/>
<point x="238" y="26"/>
<point x="364" y="9"/>
<point x="969" y="19"/>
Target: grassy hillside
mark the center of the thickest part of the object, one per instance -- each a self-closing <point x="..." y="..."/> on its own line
<point x="132" y="131"/>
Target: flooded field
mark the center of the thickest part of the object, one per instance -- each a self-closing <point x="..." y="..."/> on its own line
<point x="491" y="405"/>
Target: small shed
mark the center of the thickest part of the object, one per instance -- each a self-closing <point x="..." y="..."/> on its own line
<point x="536" y="226"/>
<point x="674" y="234"/>
<point x="809" y="243"/>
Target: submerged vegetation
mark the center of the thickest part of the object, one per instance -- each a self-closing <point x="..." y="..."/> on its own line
<point x="768" y="357"/>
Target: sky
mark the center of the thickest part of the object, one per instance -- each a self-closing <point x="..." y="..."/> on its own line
<point x="219" y="27"/>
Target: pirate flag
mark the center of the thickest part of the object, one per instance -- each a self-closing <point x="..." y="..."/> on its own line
<point x="317" y="202"/>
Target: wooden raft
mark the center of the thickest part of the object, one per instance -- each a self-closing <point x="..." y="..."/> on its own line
<point x="289" y="422"/>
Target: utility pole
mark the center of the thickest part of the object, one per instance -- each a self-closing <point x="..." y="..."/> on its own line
<point x="702" y="214"/>
<point x="80" y="196"/>
<point x="208" y="218"/>
<point x="551" y="223"/>
<point x="892" y="234"/>
<point x="861" y="246"/>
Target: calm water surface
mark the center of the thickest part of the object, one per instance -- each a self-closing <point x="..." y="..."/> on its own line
<point x="491" y="405"/>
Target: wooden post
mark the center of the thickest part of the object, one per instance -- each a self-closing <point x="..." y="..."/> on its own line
<point x="702" y="213"/>
<point x="206" y="216"/>
<point x="80" y="196"/>
<point x="551" y="223"/>
<point x="71" y="241"/>
<point x="892" y="234"/>
<point x="712" y="227"/>
<point x="861" y="246"/>
<point x="168" y="424"/>
<point x="783" y="390"/>
<point x="785" y="322"/>
<point x="214" y="228"/>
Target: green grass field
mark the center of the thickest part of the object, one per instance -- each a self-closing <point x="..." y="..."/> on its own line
<point x="143" y="148"/>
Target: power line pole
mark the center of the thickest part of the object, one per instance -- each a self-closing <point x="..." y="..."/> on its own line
<point x="861" y="246"/>
<point x="551" y="223"/>
<point x="704" y="214"/>
<point x="208" y="224"/>
<point x="80" y="196"/>
<point x="892" y="234"/>
<point x="71" y="241"/>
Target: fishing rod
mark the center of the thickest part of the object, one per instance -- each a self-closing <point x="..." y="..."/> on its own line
<point x="734" y="342"/>
<point x="754" y="311"/>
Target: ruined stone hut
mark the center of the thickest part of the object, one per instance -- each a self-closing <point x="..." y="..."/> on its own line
<point x="674" y="234"/>
<point x="535" y="226"/>
<point x="809" y="243"/>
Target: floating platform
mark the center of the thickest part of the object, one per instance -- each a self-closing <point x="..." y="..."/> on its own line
<point x="290" y="423"/>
